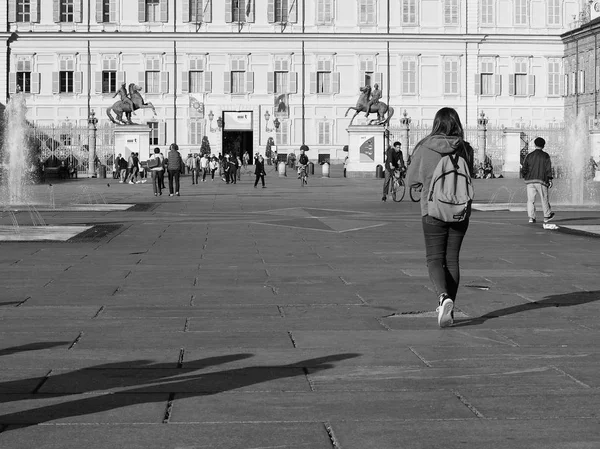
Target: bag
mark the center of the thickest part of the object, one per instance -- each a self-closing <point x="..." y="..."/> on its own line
<point x="154" y="162"/>
<point x="451" y="190"/>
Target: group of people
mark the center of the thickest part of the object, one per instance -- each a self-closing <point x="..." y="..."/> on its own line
<point x="129" y="170"/>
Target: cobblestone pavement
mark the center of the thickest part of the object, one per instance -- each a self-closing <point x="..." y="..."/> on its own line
<point x="290" y="317"/>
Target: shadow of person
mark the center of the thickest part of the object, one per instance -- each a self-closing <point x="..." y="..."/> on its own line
<point x="33" y="347"/>
<point x="170" y="385"/>
<point x="562" y="300"/>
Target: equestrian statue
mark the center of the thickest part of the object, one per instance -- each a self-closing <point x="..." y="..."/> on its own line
<point x="370" y="103"/>
<point x="130" y="101"/>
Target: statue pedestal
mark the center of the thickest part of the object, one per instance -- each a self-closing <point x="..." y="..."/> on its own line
<point x="133" y="139"/>
<point x="512" y="153"/>
<point x="366" y="150"/>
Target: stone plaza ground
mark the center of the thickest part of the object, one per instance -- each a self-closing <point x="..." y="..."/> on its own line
<point x="290" y="317"/>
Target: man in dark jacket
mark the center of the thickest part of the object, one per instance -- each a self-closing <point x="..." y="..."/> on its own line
<point x="175" y="167"/>
<point x="537" y="171"/>
<point x="393" y="161"/>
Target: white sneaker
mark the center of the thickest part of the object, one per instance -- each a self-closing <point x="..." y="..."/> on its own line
<point x="444" y="311"/>
<point x="131" y="182"/>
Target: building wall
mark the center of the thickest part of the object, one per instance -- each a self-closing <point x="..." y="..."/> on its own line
<point x="389" y="44"/>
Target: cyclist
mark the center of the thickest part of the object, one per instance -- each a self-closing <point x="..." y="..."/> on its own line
<point x="303" y="163"/>
<point x="393" y="161"/>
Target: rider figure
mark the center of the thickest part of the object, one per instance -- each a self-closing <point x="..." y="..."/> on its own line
<point x="303" y="161"/>
<point x="375" y="96"/>
<point x="394" y="161"/>
<point x="125" y="97"/>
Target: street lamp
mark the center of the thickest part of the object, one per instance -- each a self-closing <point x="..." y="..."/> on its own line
<point x="267" y="118"/>
<point x="276" y="123"/>
<point x="211" y="117"/>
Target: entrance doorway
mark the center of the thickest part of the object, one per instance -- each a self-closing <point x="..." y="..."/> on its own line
<point x="237" y="142"/>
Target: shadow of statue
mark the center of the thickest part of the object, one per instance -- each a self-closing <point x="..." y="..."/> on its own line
<point x="33" y="347"/>
<point x="561" y="300"/>
<point x="162" y="382"/>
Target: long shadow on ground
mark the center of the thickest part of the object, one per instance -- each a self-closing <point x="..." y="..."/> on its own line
<point x="562" y="300"/>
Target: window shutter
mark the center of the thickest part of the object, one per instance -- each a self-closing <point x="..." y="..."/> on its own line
<point x="164" y="11"/>
<point x="77" y="16"/>
<point x="99" y="16"/>
<point x="477" y="83"/>
<point x="293" y="78"/>
<point x="249" y="11"/>
<point x="531" y="85"/>
<point x="120" y="78"/>
<point x="270" y="82"/>
<point x="227" y="82"/>
<point x="78" y="82"/>
<point x="249" y="82"/>
<point x="162" y="133"/>
<point x="142" y="80"/>
<point x="164" y="82"/>
<point x="271" y="11"/>
<point x="55" y="83"/>
<point x="185" y="11"/>
<point x="112" y="13"/>
<point x="12" y="12"/>
<point x="141" y="10"/>
<point x="185" y="82"/>
<point x="335" y="82"/>
<point x="497" y="85"/>
<point x="207" y="82"/>
<point x="35" y="83"/>
<point x="561" y="85"/>
<point x="12" y="83"/>
<point x="207" y="11"/>
<point x="56" y="11"/>
<point x="228" y="13"/>
<point x="379" y="79"/>
<point x="98" y="82"/>
<point x="293" y="12"/>
<point x="313" y="83"/>
<point x="511" y="84"/>
<point x="35" y="11"/>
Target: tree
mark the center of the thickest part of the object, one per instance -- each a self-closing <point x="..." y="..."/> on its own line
<point x="205" y="146"/>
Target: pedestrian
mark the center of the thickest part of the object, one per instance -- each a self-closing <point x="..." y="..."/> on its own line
<point x="226" y="168"/>
<point x="393" y="161"/>
<point x="136" y="169"/>
<point x="246" y="159"/>
<point x="345" y="166"/>
<point x="537" y="171"/>
<point x="175" y="168"/>
<point x="123" y="169"/>
<point x="443" y="240"/>
<point x="259" y="171"/>
<point x="157" y="172"/>
<point x="214" y="166"/>
<point x="130" y="165"/>
<point x="204" y="166"/>
<point x="239" y="168"/>
<point x="195" y="167"/>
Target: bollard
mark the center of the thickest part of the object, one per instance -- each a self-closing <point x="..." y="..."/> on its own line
<point x="325" y="168"/>
<point x="281" y="169"/>
<point x="103" y="171"/>
<point x="379" y="172"/>
<point x="311" y="168"/>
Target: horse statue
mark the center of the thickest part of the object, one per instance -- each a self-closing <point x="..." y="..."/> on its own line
<point x="380" y="108"/>
<point x="128" y="103"/>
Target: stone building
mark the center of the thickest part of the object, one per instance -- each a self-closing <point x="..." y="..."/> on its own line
<point x="198" y="61"/>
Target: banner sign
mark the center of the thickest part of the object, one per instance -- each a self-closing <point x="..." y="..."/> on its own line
<point x="368" y="149"/>
<point x="237" y="121"/>
<point x="281" y="106"/>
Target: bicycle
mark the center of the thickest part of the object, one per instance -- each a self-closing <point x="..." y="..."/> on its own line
<point x="303" y="176"/>
<point x="415" y="192"/>
<point x="398" y="186"/>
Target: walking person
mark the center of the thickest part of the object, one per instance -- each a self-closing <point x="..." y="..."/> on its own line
<point x="175" y="167"/>
<point x="246" y="159"/>
<point x="226" y="167"/>
<point x="443" y="239"/>
<point x="239" y="168"/>
<point x="204" y="166"/>
<point x="259" y="171"/>
<point x="157" y="173"/>
<point x="537" y="172"/>
<point x="393" y="161"/>
<point x="214" y="166"/>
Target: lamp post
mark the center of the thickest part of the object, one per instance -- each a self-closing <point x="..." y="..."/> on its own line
<point x="482" y="122"/>
<point x="211" y="117"/>
<point x="267" y="118"/>
<point x="276" y="123"/>
<point x="404" y="136"/>
<point x="92" y="122"/>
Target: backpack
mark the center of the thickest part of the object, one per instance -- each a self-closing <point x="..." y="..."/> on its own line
<point x="154" y="162"/>
<point x="451" y="190"/>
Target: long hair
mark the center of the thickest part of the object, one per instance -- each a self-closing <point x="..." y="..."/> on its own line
<point x="447" y="123"/>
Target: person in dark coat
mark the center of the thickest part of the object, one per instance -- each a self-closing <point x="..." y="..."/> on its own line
<point x="259" y="171"/>
<point x="175" y="167"/>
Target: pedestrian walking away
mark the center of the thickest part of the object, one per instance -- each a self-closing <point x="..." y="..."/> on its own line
<point x="537" y="172"/>
<point x="443" y="240"/>
<point x="393" y="161"/>
<point x="157" y="173"/>
<point x="259" y="171"/>
<point x="175" y="168"/>
<point x="204" y="166"/>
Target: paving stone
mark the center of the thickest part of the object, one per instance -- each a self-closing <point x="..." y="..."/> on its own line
<point x="197" y="310"/>
<point x="283" y="324"/>
<point x="28" y="311"/>
<point x="107" y="325"/>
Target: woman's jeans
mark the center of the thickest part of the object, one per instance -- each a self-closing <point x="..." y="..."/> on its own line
<point x="174" y="174"/>
<point x="442" y="248"/>
<point x="157" y="180"/>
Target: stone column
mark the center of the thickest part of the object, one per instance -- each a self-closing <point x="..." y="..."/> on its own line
<point x="92" y="122"/>
<point x="512" y="153"/>
<point x="482" y="122"/>
<point x="405" y="133"/>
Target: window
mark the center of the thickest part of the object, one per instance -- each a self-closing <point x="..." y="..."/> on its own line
<point x="66" y="81"/>
<point x="487" y="78"/>
<point x="239" y="10"/>
<point x="281" y="82"/>
<point x="409" y="12"/>
<point x="409" y="77"/>
<point x="109" y="81"/>
<point x="237" y="82"/>
<point x="366" y="12"/>
<point x="23" y="11"/>
<point x="67" y="11"/>
<point x="324" y="11"/>
<point x="581" y="82"/>
<point x="198" y="10"/>
<point x="196" y="81"/>
<point x="324" y="129"/>
<point x="451" y="12"/>
<point x="553" y="12"/>
<point x="282" y="134"/>
<point x="24" y="81"/>
<point x="451" y="70"/>
<point x="196" y="132"/>
<point x="153" y="133"/>
<point x="152" y="10"/>
<point x="554" y="77"/>
<point x="281" y="10"/>
<point x="323" y="82"/>
<point x="520" y="78"/>
<point x="152" y="82"/>
<point x="521" y="12"/>
<point x="487" y="12"/>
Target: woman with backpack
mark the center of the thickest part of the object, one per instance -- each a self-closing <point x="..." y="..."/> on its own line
<point x="444" y="227"/>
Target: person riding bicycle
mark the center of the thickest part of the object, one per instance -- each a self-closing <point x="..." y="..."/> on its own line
<point x="303" y="163"/>
<point x="394" y="161"/>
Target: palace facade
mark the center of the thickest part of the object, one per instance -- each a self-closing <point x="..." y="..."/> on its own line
<point x="298" y="64"/>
